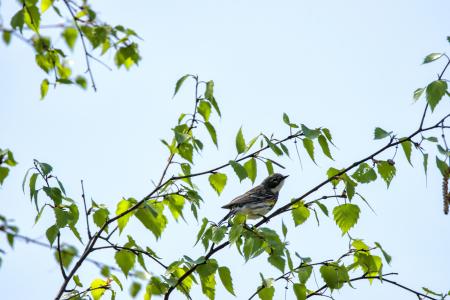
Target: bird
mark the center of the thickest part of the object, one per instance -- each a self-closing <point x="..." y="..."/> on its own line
<point x="258" y="201"/>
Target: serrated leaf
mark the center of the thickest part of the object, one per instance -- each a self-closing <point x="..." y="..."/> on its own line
<point x="277" y="261"/>
<point x="225" y="277"/>
<point x="266" y="293"/>
<point x="101" y="216"/>
<point x="442" y="166"/>
<point x="286" y="119"/>
<point x="407" y="147"/>
<point x="3" y="174"/>
<point x="77" y="281"/>
<point x="309" y="146"/>
<point x="310" y="133"/>
<point x="32" y="17"/>
<point x="240" y="142"/>
<point x="250" y="167"/>
<point x="435" y="91"/>
<point x="324" y="145"/>
<point x="98" y="288"/>
<point x="346" y="216"/>
<point x="364" y="173"/>
<point x="239" y="170"/>
<point x="180" y="83"/>
<point x="204" y="108"/>
<point x="218" y="182"/>
<point x="18" y="20"/>
<point x="202" y="230"/>
<point x="334" y="276"/>
<point x="299" y="291"/>
<point x="209" y="91"/>
<point x="432" y="57"/>
<point x="380" y="133"/>
<point x="300" y="214"/>
<point x="235" y="233"/>
<point x="212" y="132"/>
<point x="284" y="229"/>
<point x="304" y="272"/>
<point x="125" y="260"/>
<point x="52" y="233"/>
<point x="386" y="171"/>
<point x="186" y="151"/>
<point x="123" y="206"/>
<point x="152" y="217"/>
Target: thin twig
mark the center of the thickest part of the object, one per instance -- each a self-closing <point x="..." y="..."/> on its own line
<point x="61" y="266"/>
<point x="83" y="196"/>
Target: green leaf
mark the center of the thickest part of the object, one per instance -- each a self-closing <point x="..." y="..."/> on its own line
<point x="300" y="214"/>
<point x="3" y="174"/>
<point x="67" y="255"/>
<point x="98" y="288"/>
<point x="218" y="233"/>
<point x="77" y="281"/>
<point x="202" y="230"/>
<point x="225" y="277"/>
<point x="310" y="133"/>
<point x="44" y="88"/>
<point x="209" y="91"/>
<point x="327" y="134"/>
<point x="309" y="146"/>
<point x="349" y="186"/>
<point x="152" y="217"/>
<point x="387" y="257"/>
<point x="425" y="163"/>
<point x="123" y="206"/>
<point x="45" y="4"/>
<point x="269" y="167"/>
<point x="32" y="17"/>
<point x="284" y="229"/>
<point x="218" y="182"/>
<point x="212" y="132"/>
<point x="6" y="36"/>
<point x="380" y="133"/>
<point x="334" y="276"/>
<point x="418" y="93"/>
<point x="304" y="272"/>
<point x="18" y="20"/>
<point x="251" y="169"/>
<point x="407" y="147"/>
<point x="81" y="82"/>
<point x="186" y="151"/>
<point x="135" y="288"/>
<point x="299" y="291"/>
<point x="266" y="293"/>
<point x="125" y="260"/>
<point x="435" y="91"/>
<point x="346" y="216"/>
<point x="364" y="174"/>
<point x="204" y="108"/>
<point x="235" y="233"/>
<point x="277" y="261"/>
<point x="101" y="216"/>
<point x="386" y="171"/>
<point x="207" y="278"/>
<point x="432" y="57"/>
<point x="240" y="142"/>
<point x="239" y="170"/>
<point x="322" y="207"/>
<point x="324" y="145"/>
<point x="52" y="233"/>
<point x="442" y="166"/>
<point x="32" y="185"/>
<point x="70" y="35"/>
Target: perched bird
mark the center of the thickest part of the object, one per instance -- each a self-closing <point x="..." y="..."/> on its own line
<point x="258" y="201"/>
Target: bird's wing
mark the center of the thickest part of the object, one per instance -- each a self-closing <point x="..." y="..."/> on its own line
<point x="258" y="193"/>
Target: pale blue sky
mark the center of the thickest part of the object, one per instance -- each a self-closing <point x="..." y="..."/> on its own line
<point x="346" y="65"/>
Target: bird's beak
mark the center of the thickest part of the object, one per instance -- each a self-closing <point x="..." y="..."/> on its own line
<point x="284" y="177"/>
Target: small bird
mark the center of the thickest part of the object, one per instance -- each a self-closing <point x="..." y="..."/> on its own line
<point x="258" y="201"/>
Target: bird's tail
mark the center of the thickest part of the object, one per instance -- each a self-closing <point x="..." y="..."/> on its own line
<point x="228" y="215"/>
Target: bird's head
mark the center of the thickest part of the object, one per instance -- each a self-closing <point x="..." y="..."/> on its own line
<point x="274" y="182"/>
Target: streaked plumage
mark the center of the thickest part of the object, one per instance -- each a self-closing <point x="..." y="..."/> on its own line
<point x="258" y="201"/>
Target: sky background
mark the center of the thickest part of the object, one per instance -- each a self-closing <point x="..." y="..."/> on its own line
<point x="347" y="65"/>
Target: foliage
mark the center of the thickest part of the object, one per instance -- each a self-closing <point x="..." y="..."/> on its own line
<point x="177" y="195"/>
